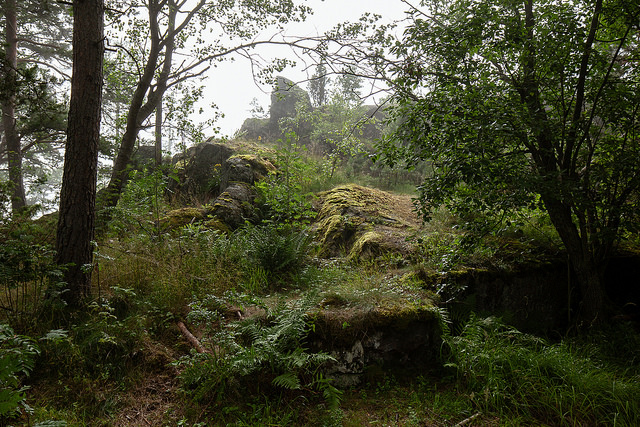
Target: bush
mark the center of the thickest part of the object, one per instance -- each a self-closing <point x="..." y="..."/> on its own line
<point x="27" y="271"/>
<point x="280" y="251"/>
<point x="17" y="359"/>
<point x="246" y="352"/>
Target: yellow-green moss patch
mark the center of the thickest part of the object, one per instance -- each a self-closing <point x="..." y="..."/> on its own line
<point x="180" y="217"/>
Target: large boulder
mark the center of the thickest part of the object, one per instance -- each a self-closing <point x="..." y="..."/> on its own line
<point x="199" y="169"/>
<point x="286" y="98"/>
<point x="144" y="156"/>
<point x="255" y="129"/>
<point x="234" y="207"/>
<point x="364" y="223"/>
<point x="247" y="168"/>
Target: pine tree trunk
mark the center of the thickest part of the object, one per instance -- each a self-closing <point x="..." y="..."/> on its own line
<point x="74" y="243"/>
<point x="18" y="199"/>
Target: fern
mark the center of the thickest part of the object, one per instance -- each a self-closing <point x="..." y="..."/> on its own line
<point x="288" y="380"/>
<point x="17" y="359"/>
<point x="252" y="347"/>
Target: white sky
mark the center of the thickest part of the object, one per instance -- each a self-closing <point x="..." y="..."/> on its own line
<point x="230" y="85"/>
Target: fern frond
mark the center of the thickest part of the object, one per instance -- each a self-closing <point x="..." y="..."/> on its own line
<point x="288" y="380"/>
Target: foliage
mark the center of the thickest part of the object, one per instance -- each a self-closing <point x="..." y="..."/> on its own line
<point x="531" y="104"/>
<point x="279" y="251"/>
<point x="17" y="359"/>
<point x="284" y="196"/>
<point x="27" y="273"/>
<point x="520" y="375"/>
<point x="251" y="350"/>
<point x="104" y="343"/>
<point x="141" y="203"/>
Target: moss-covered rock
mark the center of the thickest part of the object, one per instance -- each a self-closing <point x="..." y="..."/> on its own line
<point x="399" y="332"/>
<point x="234" y="206"/>
<point x="363" y="223"/>
<point x="247" y="168"/>
<point x="180" y="217"/>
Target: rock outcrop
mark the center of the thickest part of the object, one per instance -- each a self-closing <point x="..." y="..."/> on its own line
<point x="199" y="170"/>
<point x="364" y="223"/>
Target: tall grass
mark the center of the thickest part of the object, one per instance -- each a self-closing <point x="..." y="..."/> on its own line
<point x="521" y="376"/>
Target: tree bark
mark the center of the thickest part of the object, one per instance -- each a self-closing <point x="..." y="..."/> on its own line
<point x="585" y="266"/>
<point x="74" y="242"/>
<point x="158" y="135"/>
<point x="18" y="199"/>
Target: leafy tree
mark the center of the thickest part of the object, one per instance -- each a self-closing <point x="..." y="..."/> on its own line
<point x="527" y="102"/>
<point x="76" y="223"/>
<point x="178" y="28"/>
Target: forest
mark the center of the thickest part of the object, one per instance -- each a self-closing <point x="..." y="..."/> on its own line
<point x="439" y="226"/>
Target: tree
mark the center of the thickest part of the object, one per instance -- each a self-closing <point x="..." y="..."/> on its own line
<point x="76" y="223"/>
<point x="18" y="198"/>
<point x="527" y="102"/>
<point x="170" y="27"/>
<point x="24" y="84"/>
<point x="318" y="85"/>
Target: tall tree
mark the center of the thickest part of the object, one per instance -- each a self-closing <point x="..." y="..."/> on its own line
<point x="170" y="28"/>
<point x="14" y="151"/>
<point x="318" y="85"/>
<point x="32" y="37"/>
<point x="74" y="242"/>
<point x="524" y="102"/>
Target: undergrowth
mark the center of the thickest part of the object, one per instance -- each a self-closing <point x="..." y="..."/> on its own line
<point x="520" y="376"/>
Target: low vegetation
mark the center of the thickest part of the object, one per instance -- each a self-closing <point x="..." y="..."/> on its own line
<point x="193" y="326"/>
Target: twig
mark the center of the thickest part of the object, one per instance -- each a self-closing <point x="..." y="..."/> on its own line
<point x="468" y="420"/>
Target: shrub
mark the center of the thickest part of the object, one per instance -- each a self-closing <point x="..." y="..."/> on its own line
<point x="17" y="359"/>
<point x="252" y="350"/>
<point x="27" y="271"/>
<point x="279" y="251"/>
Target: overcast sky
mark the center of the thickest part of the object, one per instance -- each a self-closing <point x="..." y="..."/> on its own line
<point x="230" y="85"/>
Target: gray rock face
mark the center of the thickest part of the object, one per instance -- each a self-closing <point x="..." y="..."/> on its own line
<point x="145" y="155"/>
<point x="284" y="97"/>
<point x="234" y="206"/>
<point x="391" y="344"/>
<point x="244" y="168"/>
<point x="199" y="169"/>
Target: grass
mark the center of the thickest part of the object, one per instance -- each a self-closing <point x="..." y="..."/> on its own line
<point x="114" y="363"/>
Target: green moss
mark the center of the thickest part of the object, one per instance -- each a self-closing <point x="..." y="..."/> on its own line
<point x="181" y="217"/>
<point x="344" y="324"/>
<point x="368" y="246"/>
<point x="258" y="164"/>
<point x="216" y="224"/>
<point x="359" y="221"/>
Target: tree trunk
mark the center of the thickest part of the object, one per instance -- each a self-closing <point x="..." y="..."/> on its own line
<point x="14" y="151"/>
<point x="159" y="134"/>
<point x="74" y="243"/>
<point x="587" y="269"/>
<point x="139" y="110"/>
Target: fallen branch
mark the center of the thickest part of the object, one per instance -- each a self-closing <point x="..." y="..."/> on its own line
<point x="192" y="339"/>
<point x="468" y="420"/>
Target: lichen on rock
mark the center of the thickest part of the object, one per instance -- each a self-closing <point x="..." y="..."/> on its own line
<point x="180" y="217"/>
<point x="363" y="223"/>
